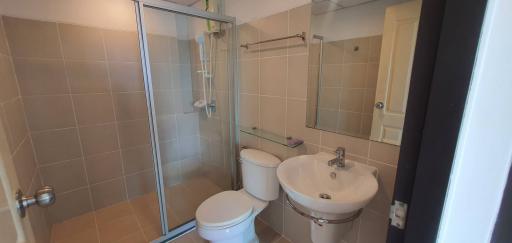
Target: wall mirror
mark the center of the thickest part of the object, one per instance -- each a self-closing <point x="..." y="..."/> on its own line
<point x="360" y="61"/>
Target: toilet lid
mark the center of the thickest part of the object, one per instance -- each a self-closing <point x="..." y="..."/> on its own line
<point x="224" y="209"/>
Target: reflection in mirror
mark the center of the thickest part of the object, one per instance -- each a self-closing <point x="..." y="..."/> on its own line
<point x="360" y="61"/>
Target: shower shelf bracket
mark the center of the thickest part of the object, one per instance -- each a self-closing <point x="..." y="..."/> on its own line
<point x="290" y="142"/>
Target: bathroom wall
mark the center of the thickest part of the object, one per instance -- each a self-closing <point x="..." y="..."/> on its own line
<point x="16" y="151"/>
<point x="84" y="98"/>
<point x="347" y="89"/>
<point x="273" y="80"/>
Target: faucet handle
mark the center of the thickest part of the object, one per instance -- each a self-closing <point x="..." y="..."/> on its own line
<point x="340" y="151"/>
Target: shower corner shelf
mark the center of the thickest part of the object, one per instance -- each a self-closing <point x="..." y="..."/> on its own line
<point x="282" y="140"/>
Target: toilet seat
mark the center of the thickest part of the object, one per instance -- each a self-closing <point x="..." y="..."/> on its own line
<point x="224" y="209"/>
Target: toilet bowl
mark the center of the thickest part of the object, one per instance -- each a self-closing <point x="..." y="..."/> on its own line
<point x="228" y="217"/>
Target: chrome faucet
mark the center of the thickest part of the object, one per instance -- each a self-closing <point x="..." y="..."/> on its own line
<point x="339" y="161"/>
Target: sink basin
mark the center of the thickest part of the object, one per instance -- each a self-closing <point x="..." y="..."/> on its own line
<point x="326" y="190"/>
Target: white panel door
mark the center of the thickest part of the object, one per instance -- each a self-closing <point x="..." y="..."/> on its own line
<point x="397" y="52"/>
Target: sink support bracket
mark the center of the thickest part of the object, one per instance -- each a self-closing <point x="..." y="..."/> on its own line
<point x="322" y="221"/>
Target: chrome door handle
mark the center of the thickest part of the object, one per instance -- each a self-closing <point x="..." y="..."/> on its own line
<point x="44" y="197"/>
<point x="379" y="105"/>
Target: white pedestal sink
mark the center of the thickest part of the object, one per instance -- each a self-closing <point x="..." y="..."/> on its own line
<point x="327" y="193"/>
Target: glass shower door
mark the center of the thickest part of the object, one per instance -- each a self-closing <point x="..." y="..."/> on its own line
<point x="190" y="86"/>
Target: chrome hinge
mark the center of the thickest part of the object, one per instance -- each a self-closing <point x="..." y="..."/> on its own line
<point x="398" y="213"/>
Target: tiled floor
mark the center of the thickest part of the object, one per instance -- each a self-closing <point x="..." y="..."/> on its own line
<point x="137" y="220"/>
<point x="264" y="232"/>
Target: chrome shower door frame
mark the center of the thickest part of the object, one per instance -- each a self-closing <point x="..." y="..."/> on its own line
<point x="148" y="85"/>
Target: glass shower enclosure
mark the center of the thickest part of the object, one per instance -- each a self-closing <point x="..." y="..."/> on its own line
<point x="188" y="65"/>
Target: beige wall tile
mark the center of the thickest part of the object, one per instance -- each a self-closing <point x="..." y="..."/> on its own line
<point x="137" y="159"/>
<point x="353" y="145"/>
<point x="4" y="48"/>
<point x="99" y="139"/>
<point x="329" y="98"/>
<point x="356" y="50"/>
<point x="103" y="167"/>
<point x="248" y="33"/>
<point x="188" y="124"/>
<point x="270" y="27"/>
<point x="8" y="82"/>
<point x="353" y="75"/>
<point x="383" y="152"/>
<point x="87" y="77"/>
<point x="273" y="76"/>
<point x="372" y="75"/>
<point x="333" y="52"/>
<point x="273" y="216"/>
<point x="31" y="38"/>
<point x="140" y="183"/>
<point x="7" y="230"/>
<point x="331" y="75"/>
<point x="15" y="117"/>
<point x="133" y="133"/>
<point x="161" y="76"/>
<point x="189" y="147"/>
<point x="49" y="112"/>
<point x="386" y="178"/>
<point x="249" y="110"/>
<point x="369" y="101"/>
<point x="349" y="123"/>
<point x="41" y="76"/>
<point x="57" y="145"/>
<point x="70" y="205"/>
<point x="375" y="45"/>
<point x="373" y="228"/>
<point x="351" y="100"/>
<point x="170" y="151"/>
<point x="297" y="77"/>
<point x="159" y="48"/>
<point x="93" y="109"/>
<point x="80" y="42"/>
<point x="299" y="22"/>
<point x="65" y="176"/>
<point x="130" y="106"/>
<point x="327" y="120"/>
<point x="108" y="193"/>
<point x="25" y="164"/>
<point x="249" y="76"/>
<point x="296" y="122"/>
<point x="165" y="104"/>
<point x="126" y="76"/>
<point x="167" y="128"/>
<point x="273" y="114"/>
<point x="121" y="45"/>
<point x="296" y="227"/>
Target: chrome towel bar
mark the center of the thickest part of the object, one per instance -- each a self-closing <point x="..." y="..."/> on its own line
<point x="301" y="35"/>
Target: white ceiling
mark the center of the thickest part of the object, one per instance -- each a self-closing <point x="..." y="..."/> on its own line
<point x="323" y="6"/>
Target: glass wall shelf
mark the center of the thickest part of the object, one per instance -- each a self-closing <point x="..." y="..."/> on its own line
<point x="285" y="141"/>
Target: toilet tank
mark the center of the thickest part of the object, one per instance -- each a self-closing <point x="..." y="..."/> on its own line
<point x="259" y="174"/>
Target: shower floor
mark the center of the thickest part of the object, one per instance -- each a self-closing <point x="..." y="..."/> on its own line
<point x="138" y="220"/>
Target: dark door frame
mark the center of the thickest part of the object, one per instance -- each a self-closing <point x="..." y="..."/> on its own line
<point x="448" y="36"/>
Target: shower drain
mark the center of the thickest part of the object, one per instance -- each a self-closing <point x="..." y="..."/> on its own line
<point x="324" y="196"/>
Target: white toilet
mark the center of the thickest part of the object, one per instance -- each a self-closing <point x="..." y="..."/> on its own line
<point x="228" y="217"/>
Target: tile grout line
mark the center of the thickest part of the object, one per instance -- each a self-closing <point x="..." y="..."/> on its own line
<point x="78" y="131"/>
<point x="114" y="110"/>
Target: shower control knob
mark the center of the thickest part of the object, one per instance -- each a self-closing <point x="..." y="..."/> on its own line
<point x="379" y="105"/>
<point x="44" y="197"/>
